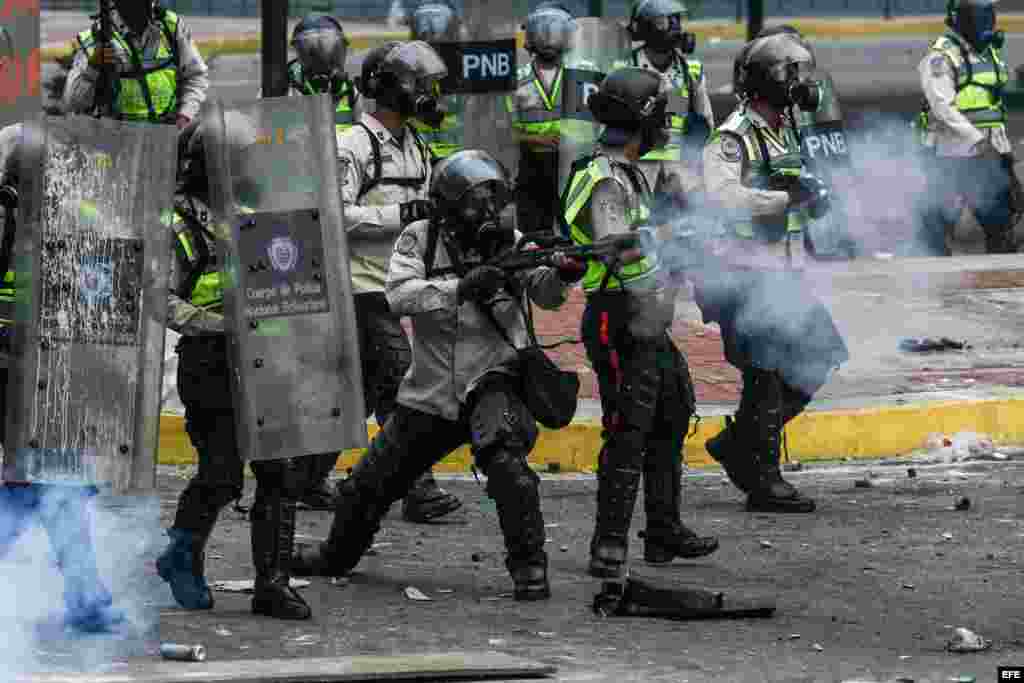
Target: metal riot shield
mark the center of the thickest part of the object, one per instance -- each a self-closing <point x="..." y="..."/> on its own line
<point x="824" y="141"/>
<point x="91" y="257"/>
<point x="481" y="73"/>
<point x="288" y="295"/>
<point x="599" y="47"/>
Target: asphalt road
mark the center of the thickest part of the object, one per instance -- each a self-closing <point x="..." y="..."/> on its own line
<point x="868" y="588"/>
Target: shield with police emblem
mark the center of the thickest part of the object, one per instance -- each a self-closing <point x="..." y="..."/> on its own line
<point x="288" y="294"/>
<point x="91" y="257"/>
<point x="827" y="155"/>
<point x="599" y="46"/>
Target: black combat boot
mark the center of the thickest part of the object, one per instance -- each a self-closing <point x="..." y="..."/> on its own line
<point x="772" y="493"/>
<point x="617" y="488"/>
<point x="273" y="534"/>
<point x="666" y="537"/>
<point x="514" y="487"/>
<point x="427" y="501"/>
<point x="734" y="454"/>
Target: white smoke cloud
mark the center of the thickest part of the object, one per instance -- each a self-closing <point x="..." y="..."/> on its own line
<point x="126" y="538"/>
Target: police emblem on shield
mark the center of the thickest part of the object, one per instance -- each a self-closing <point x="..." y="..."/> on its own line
<point x="95" y="283"/>
<point x="283" y="253"/>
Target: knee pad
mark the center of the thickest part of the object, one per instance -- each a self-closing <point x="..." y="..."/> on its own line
<point x="499" y="420"/>
<point x="509" y="474"/>
<point x="624" y="450"/>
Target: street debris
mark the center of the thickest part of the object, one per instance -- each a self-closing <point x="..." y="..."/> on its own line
<point x="911" y="473"/>
<point x="564" y="548"/>
<point x="222" y="631"/>
<point x="947" y="536"/>
<point x="862" y="484"/>
<point x="961" y="447"/>
<point x="476" y="557"/>
<point x="183" y="653"/>
<point x="927" y="344"/>
<point x="767" y="544"/>
<point x="817" y="647"/>
<point x="496" y="642"/>
<point x="445" y="590"/>
<point x="909" y="586"/>
<point x="965" y="640"/>
<point x="546" y="634"/>
<point x="248" y="585"/>
<point x="414" y="593"/>
<point x="339" y="581"/>
<point x="963" y="504"/>
<point x="794" y="636"/>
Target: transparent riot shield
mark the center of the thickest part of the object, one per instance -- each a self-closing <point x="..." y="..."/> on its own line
<point x="91" y="256"/>
<point x="824" y="141"/>
<point x="288" y="300"/>
<point x="600" y="45"/>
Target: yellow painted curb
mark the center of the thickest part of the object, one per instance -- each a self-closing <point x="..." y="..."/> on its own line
<point x="728" y="30"/>
<point x="821" y="435"/>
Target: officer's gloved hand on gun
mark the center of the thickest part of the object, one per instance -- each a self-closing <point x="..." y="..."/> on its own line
<point x="570" y="269"/>
<point x="810" y="193"/>
<point x="415" y="210"/>
<point x="480" y="284"/>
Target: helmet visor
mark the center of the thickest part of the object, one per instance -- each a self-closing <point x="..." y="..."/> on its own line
<point x="550" y="30"/>
<point x="458" y="174"/>
<point x="781" y="57"/>
<point x="415" y="63"/>
<point x="321" y="51"/>
<point x="433" y="23"/>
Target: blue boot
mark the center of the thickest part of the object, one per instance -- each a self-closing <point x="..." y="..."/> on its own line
<point x="182" y="566"/>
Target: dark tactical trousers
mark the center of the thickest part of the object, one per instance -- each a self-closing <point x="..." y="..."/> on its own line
<point x="985" y="183"/>
<point x="647" y="401"/>
<point x="203" y="384"/>
<point x="537" y="191"/>
<point x="501" y="433"/>
<point x="386" y="357"/>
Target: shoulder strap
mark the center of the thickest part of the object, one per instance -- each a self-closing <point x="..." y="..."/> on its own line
<point x="428" y="153"/>
<point x="377" y="162"/>
<point x="763" y="146"/>
<point x="172" y="37"/>
<point x="430" y="255"/>
<point x="690" y="84"/>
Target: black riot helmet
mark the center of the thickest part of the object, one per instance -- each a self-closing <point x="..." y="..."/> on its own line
<point x="435" y="21"/>
<point x="239" y="135"/>
<point x="975" y="20"/>
<point x="776" y="68"/>
<point x="631" y="100"/>
<point x="549" y="30"/>
<point x="781" y="29"/>
<point x="470" y="190"/>
<point x="405" y="77"/>
<point x="659" y="24"/>
<point x="321" y="47"/>
<point x="137" y="14"/>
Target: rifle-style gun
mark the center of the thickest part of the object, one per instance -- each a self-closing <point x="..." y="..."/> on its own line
<point x="520" y="257"/>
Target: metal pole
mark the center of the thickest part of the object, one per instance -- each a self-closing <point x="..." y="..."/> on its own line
<point x="274" y="50"/>
<point x="755" y="18"/>
<point x="887" y="11"/>
<point x="596" y="8"/>
<point x="739" y="11"/>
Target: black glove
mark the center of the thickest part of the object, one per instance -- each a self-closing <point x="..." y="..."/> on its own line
<point x="481" y="283"/>
<point x="415" y="210"/>
<point x="1016" y="190"/>
<point x="572" y="270"/>
<point x="811" y="193"/>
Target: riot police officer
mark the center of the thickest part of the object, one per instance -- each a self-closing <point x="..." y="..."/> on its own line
<point x="664" y="48"/>
<point x="196" y="312"/>
<point x="160" y="75"/>
<point x="319" y="67"/>
<point x="537" y="105"/>
<point x="438" y="22"/>
<point x="962" y="78"/>
<point x="782" y="339"/>
<point x="646" y="390"/>
<point x="463" y="386"/>
<point x="385" y="177"/>
<point x="321" y="49"/>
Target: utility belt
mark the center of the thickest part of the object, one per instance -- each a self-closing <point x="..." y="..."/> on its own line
<point x="195" y="343"/>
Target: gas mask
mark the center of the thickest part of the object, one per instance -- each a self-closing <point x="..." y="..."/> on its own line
<point x="333" y="83"/>
<point x="654" y="137"/>
<point x="136" y="14"/>
<point x="806" y="95"/>
<point x="669" y="35"/>
<point x="423" y="102"/>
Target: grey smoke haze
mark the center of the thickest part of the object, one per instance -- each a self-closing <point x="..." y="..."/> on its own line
<point x="126" y="535"/>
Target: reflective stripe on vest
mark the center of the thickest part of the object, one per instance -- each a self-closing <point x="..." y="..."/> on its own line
<point x="678" y="125"/>
<point x="581" y="186"/>
<point x="975" y="98"/>
<point x="545" y="116"/>
<point x="789" y="162"/>
<point x="7" y="299"/>
<point x="344" y="117"/>
<point x="207" y="291"/>
<point x="448" y="138"/>
<point x="160" y="72"/>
